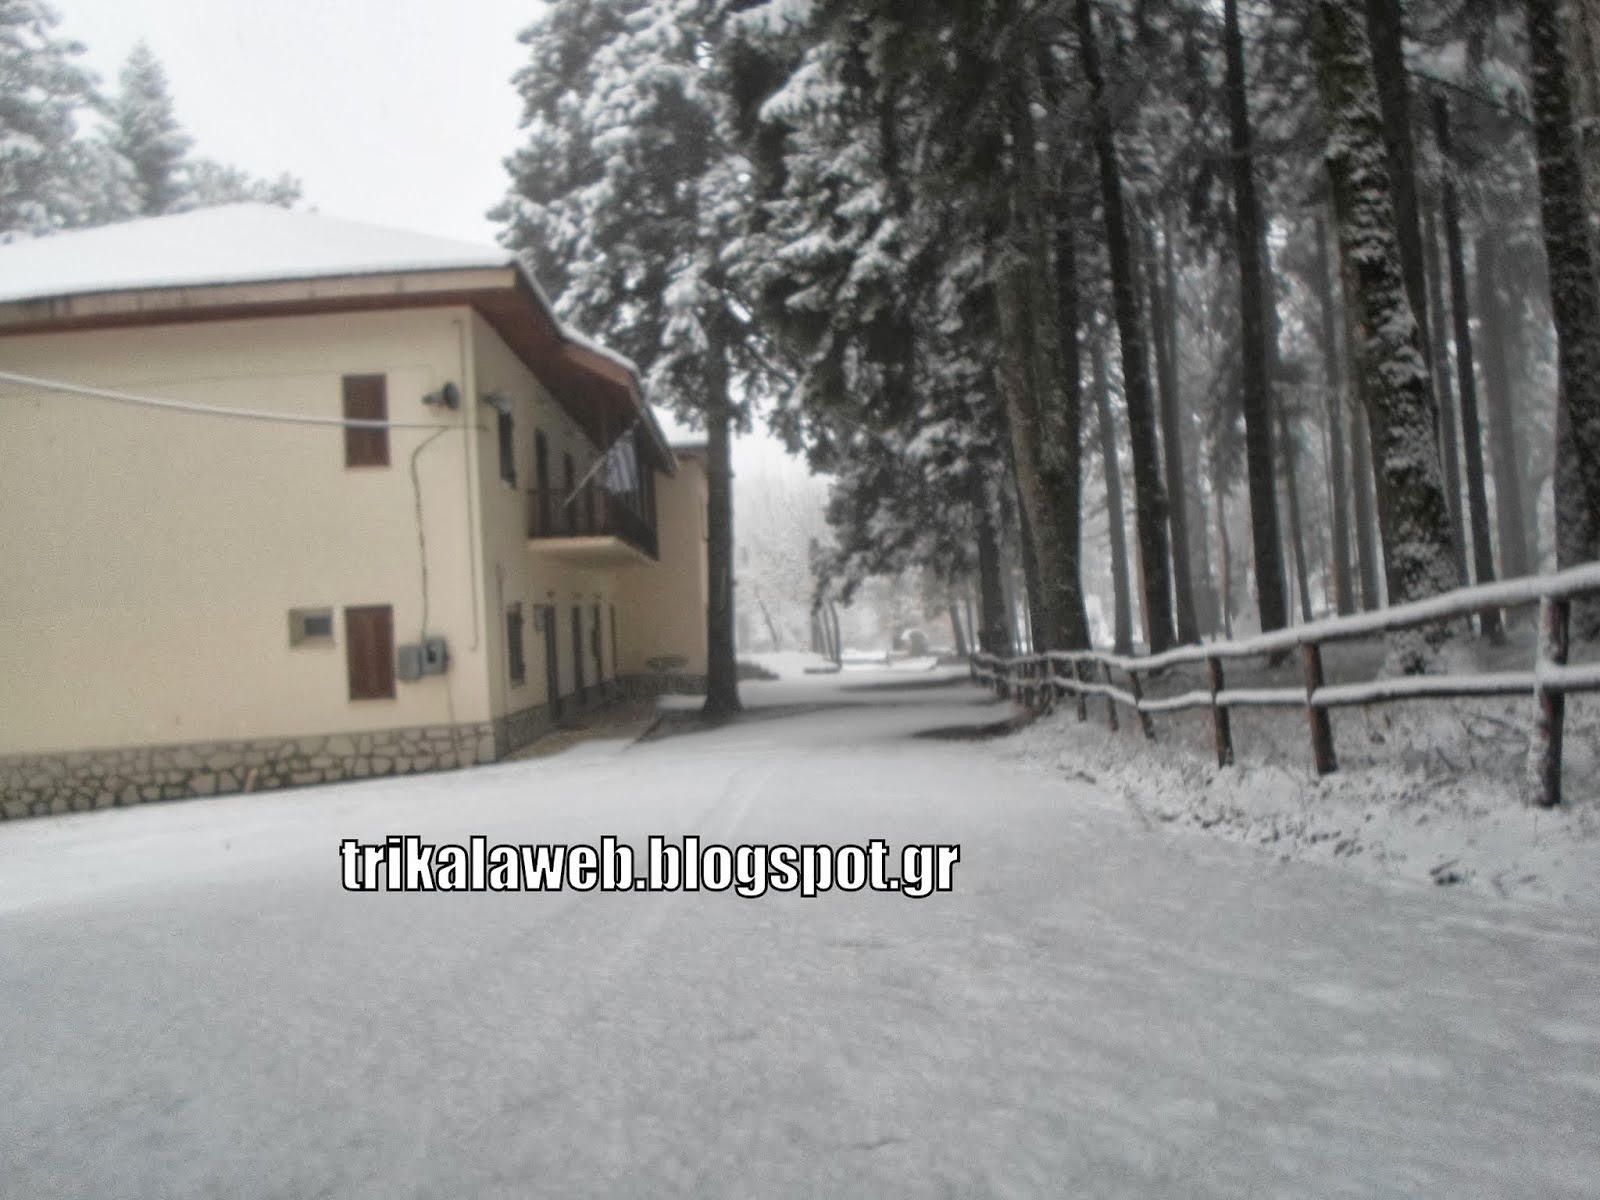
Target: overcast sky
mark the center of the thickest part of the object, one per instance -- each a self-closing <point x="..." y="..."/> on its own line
<point x="398" y="112"/>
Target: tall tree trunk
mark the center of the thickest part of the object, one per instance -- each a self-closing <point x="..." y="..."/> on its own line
<point x="1333" y="382"/>
<point x="1508" y="491"/>
<point x="1150" y="501"/>
<point x="956" y="630"/>
<point x="1032" y="591"/>
<point x="1289" y="449"/>
<point x="1449" y="438"/>
<point x="992" y="623"/>
<point x="1249" y="229"/>
<point x="1466" y="382"/>
<point x="1062" y="465"/>
<point x="1385" y="23"/>
<point x="1364" y="486"/>
<point x="1042" y="401"/>
<point x="722" y="672"/>
<point x="1162" y="319"/>
<point x="1207" y="605"/>
<point x="1122" y="615"/>
<point x="1415" y="515"/>
<point x="1574" y="295"/>
<point x="1584" y="56"/>
<point x="1226" y="563"/>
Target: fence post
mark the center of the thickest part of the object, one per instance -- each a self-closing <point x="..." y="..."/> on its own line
<point x="1144" y="717"/>
<point x="1221" y="731"/>
<point x="1544" y="754"/>
<point x="1083" y="699"/>
<point x="1111" y="704"/>
<point x="1321" y="726"/>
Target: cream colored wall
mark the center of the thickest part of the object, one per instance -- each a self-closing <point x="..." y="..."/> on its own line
<point x="514" y="573"/>
<point x="148" y="559"/>
<point x="663" y="611"/>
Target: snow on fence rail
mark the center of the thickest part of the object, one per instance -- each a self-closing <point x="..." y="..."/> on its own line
<point x="1038" y="681"/>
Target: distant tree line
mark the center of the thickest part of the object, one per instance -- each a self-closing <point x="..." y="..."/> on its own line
<point x="72" y="155"/>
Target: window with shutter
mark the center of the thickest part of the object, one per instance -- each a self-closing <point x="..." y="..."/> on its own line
<point x="366" y="399"/>
<point x="508" y="449"/>
<point x="369" y="651"/>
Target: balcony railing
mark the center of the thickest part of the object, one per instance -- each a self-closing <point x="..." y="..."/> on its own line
<point x="593" y="511"/>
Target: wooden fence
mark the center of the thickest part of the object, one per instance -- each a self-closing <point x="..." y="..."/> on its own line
<point x="1038" y="679"/>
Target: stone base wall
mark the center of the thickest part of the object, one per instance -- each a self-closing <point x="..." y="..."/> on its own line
<point x="39" y="784"/>
<point x="515" y="730"/>
<point x="36" y="785"/>
<point x="661" y="683"/>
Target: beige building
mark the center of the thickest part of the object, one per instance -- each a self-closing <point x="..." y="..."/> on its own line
<point x="211" y="581"/>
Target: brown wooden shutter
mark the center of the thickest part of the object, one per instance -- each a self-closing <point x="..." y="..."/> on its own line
<point x="369" y="651"/>
<point x="366" y="399"/>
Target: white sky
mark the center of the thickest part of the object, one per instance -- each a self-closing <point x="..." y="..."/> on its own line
<point x="398" y="112"/>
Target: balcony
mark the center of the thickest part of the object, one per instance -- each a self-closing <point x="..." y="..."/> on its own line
<point x="597" y="528"/>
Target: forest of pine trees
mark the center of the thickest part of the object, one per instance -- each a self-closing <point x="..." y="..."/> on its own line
<point x="74" y="155"/>
<point x="1149" y="320"/>
<point x="1261" y="310"/>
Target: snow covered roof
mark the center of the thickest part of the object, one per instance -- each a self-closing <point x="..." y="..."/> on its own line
<point x="98" y="276"/>
<point x="234" y="243"/>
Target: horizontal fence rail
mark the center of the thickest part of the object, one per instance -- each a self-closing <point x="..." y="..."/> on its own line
<point x="1041" y="679"/>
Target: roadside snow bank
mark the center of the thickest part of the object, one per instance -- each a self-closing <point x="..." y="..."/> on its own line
<point x="1427" y="793"/>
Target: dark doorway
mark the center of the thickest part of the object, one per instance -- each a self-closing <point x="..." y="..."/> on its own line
<point x="541" y="484"/>
<point x="577" y="653"/>
<point x="552" y="665"/>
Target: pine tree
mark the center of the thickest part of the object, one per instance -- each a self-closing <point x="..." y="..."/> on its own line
<point x="1122" y="614"/>
<point x="1256" y="355"/>
<point x="1150" y="505"/>
<point x="1333" y="385"/>
<point x="1385" y="24"/>
<point x="146" y="132"/>
<point x="1466" y="387"/>
<point x="1413" y="515"/>
<point x="42" y="89"/>
<point x="625" y="196"/>
<point x="1574" y="292"/>
<point x="1510" y="524"/>
<point x="212" y="183"/>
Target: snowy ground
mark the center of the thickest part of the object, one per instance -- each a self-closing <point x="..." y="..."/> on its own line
<point x="194" y="1007"/>
<point x="1430" y="792"/>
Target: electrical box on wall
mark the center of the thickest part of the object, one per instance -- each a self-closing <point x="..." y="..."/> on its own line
<point x="429" y="657"/>
<point x="435" y="656"/>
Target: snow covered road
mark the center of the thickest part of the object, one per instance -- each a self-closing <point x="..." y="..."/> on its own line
<point x="192" y="1006"/>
